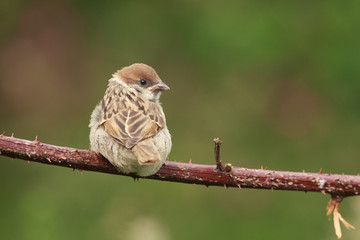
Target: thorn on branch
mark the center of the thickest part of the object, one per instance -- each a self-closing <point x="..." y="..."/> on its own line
<point x="262" y="167"/>
<point x="333" y="208"/>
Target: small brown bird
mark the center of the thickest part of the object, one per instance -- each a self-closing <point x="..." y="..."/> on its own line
<point x="128" y="126"/>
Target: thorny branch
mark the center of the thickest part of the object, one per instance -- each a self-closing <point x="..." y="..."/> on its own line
<point x="208" y="175"/>
<point x="338" y="186"/>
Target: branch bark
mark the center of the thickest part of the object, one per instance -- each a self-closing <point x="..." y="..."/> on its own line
<point x="338" y="186"/>
<point x="208" y="175"/>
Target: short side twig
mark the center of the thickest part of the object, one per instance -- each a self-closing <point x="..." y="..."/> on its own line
<point x="219" y="165"/>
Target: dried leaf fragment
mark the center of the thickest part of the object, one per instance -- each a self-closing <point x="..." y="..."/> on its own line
<point x="333" y="207"/>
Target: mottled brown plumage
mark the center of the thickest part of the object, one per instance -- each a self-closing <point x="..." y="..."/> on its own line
<point x="129" y="118"/>
<point x="131" y="114"/>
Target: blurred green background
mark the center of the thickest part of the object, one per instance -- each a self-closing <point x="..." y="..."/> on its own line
<point x="278" y="82"/>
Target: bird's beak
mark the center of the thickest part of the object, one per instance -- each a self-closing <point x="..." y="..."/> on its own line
<point x="161" y="86"/>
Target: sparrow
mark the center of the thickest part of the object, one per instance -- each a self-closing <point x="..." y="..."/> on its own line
<point x="128" y="126"/>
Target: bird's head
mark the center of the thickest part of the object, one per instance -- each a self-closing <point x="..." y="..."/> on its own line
<point x="143" y="79"/>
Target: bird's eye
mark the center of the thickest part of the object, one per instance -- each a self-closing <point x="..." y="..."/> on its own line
<point x="142" y="82"/>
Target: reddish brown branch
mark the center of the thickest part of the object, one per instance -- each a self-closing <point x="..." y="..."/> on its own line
<point x="334" y="184"/>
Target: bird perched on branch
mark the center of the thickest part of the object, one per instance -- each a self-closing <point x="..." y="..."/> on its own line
<point x="128" y="126"/>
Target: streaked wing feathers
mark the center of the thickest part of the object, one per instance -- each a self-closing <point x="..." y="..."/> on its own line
<point x="130" y="120"/>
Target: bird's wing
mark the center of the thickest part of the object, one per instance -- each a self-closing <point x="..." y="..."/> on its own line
<point x="131" y="124"/>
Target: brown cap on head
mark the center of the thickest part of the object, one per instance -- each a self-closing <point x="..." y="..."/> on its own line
<point x="137" y="71"/>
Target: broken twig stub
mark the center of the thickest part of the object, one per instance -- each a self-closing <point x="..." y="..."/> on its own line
<point x="219" y="164"/>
